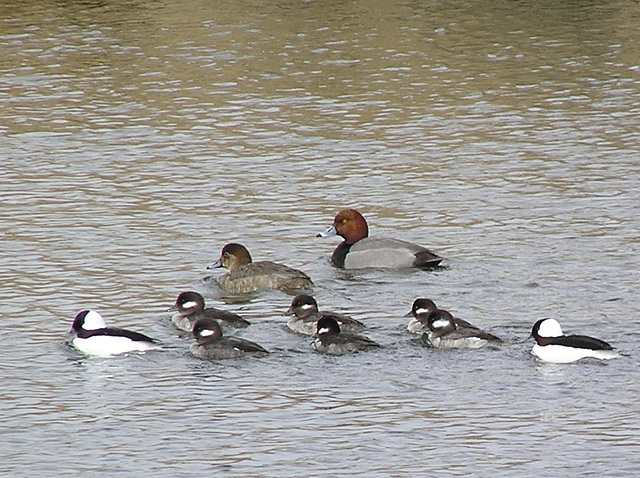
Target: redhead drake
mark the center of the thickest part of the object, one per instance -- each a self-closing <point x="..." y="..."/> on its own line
<point x="247" y="276"/>
<point x="305" y="315"/>
<point x="553" y="346"/>
<point x="90" y="335"/>
<point x="210" y="344"/>
<point x="190" y="307"/>
<point x="444" y="333"/>
<point x="330" y="340"/>
<point x="420" y="311"/>
<point x="358" y="251"/>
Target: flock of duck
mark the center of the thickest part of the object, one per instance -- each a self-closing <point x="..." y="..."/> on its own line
<point x="333" y="333"/>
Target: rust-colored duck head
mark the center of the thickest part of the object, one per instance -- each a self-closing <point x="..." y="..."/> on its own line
<point x="349" y="224"/>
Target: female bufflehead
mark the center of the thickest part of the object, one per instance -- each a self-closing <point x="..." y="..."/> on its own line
<point x="444" y="333"/>
<point x="190" y="307"/>
<point x="420" y="311"/>
<point x="93" y="337"/>
<point x="305" y="316"/>
<point x="329" y="339"/>
<point x="553" y="346"/>
<point x="210" y="344"/>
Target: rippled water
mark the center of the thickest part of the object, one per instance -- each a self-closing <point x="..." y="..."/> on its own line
<point x="137" y="138"/>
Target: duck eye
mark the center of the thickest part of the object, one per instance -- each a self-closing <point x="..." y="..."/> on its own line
<point x="344" y="221"/>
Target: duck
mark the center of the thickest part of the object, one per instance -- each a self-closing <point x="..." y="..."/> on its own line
<point x="190" y="307"/>
<point x="553" y="346"/>
<point x="330" y="340"/>
<point x="91" y="336"/>
<point x="211" y="344"/>
<point x="305" y="315"/>
<point x="420" y="311"/>
<point x="245" y="276"/>
<point x="359" y="251"/>
<point x="444" y="333"/>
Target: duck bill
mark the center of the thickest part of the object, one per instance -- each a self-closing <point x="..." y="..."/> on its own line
<point x="215" y="265"/>
<point x="289" y="311"/>
<point x="408" y="314"/>
<point x="329" y="232"/>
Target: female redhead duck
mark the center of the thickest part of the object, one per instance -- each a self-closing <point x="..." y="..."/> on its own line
<point x="359" y="251"/>
<point x="247" y="276"/>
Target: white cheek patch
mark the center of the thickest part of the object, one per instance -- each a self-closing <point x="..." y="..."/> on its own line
<point x="550" y="328"/>
<point x="189" y="304"/>
<point x="93" y="321"/>
<point x="422" y="311"/>
<point x="207" y="333"/>
<point x="323" y="330"/>
<point x="306" y="307"/>
<point x="440" y="324"/>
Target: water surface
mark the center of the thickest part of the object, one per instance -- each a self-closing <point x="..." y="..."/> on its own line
<point x="137" y="138"/>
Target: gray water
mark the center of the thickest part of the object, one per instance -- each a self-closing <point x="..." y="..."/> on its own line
<point x="138" y="137"/>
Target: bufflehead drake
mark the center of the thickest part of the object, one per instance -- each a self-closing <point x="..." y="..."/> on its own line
<point x="420" y="311"/>
<point x="358" y="251"/>
<point x="305" y="316"/>
<point x="444" y="333"/>
<point x="246" y="276"/>
<point x="210" y="344"/>
<point x="553" y="346"/>
<point x="191" y="307"/>
<point x="93" y="337"/>
<point x="329" y="339"/>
